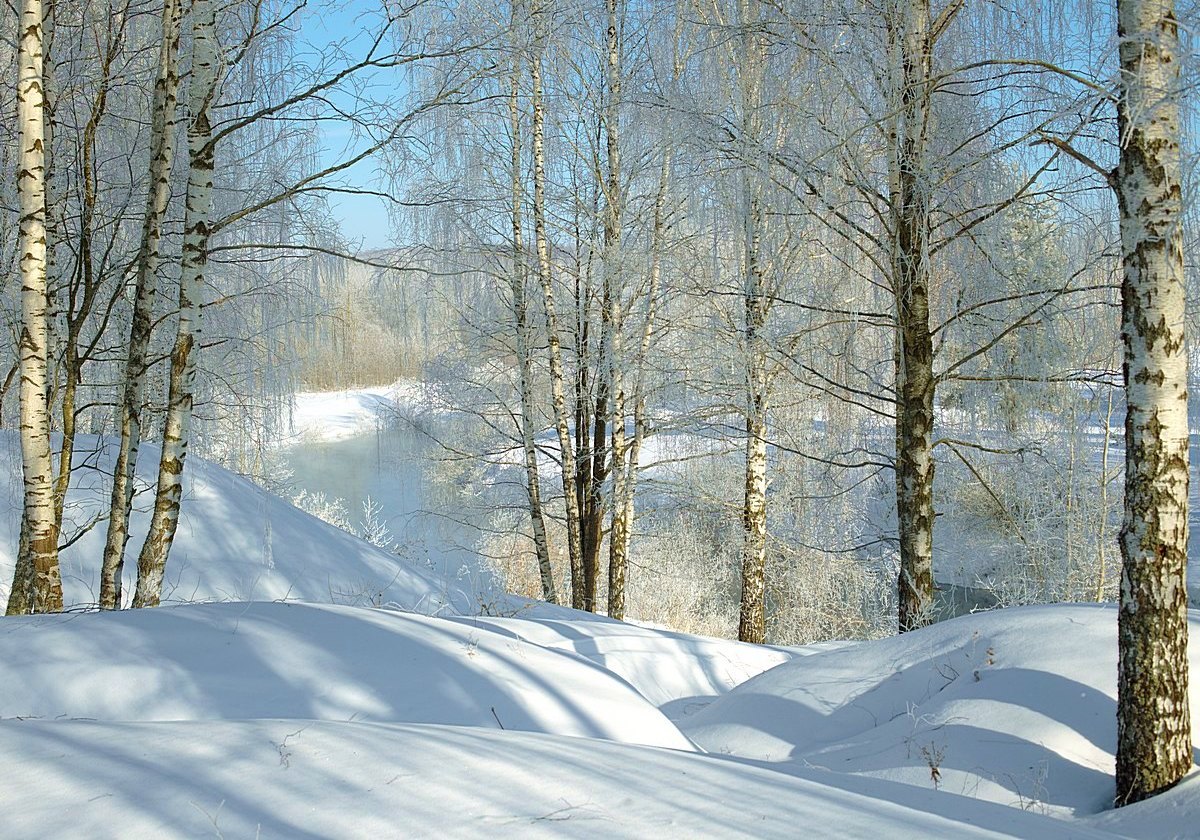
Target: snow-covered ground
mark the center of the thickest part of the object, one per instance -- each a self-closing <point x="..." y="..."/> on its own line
<point x="235" y="542"/>
<point x="1013" y="706"/>
<point x="291" y="710"/>
<point x="336" y="415"/>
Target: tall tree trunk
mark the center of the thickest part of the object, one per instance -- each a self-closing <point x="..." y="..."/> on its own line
<point x="206" y="73"/>
<point x="84" y="286"/>
<point x="618" y="538"/>
<point x="1154" y="744"/>
<point x="162" y="152"/>
<point x="541" y="542"/>
<point x="756" y="306"/>
<point x="59" y="346"/>
<point x="626" y="468"/>
<point x="752" y="625"/>
<point x="557" y="378"/>
<point x="55" y="222"/>
<point x="37" y="585"/>
<point x="597" y="471"/>
<point x="585" y="399"/>
<point x="910" y="284"/>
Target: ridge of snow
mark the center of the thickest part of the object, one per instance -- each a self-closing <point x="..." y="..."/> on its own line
<point x="311" y="779"/>
<point x="233" y="661"/>
<point x="1015" y="706"/>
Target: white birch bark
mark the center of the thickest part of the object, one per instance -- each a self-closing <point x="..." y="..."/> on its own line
<point x="37" y="586"/>
<point x="752" y="610"/>
<point x="206" y="74"/>
<point x="620" y="533"/>
<point x="618" y="542"/>
<point x="541" y="542"/>
<point x="145" y="268"/>
<point x="1154" y="744"/>
<point x="911" y="67"/>
<point x="554" y="343"/>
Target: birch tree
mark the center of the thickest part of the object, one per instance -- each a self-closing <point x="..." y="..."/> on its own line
<point x="627" y="462"/>
<point x="520" y="311"/>
<point x="554" y="341"/>
<point x="145" y="268"/>
<point x="1154" y="743"/>
<point x="206" y="73"/>
<point x="614" y="191"/>
<point x="911" y="41"/>
<point x="37" y="585"/>
<point x="756" y="303"/>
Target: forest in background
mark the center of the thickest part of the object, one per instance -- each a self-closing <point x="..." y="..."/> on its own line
<point x="715" y="228"/>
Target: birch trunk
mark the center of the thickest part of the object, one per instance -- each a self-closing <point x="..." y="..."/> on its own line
<point x="592" y="527"/>
<point x="618" y="533"/>
<point x="627" y="467"/>
<point x="584" y="401"/>
<point x="1154" y="746"/>
<point x="752" y="625"/>
<point x="910" y="285"/>
<point x="613" y="279"/>
<point x="206" y="72"/>
<point x="37" y="586"/>
<point x="162" y="151"/>
<point x="60" y="346"/>
<point x="752" y="611"/>
<point x="84" y="285"/>
<point x="541" y="542"/>
<point x="557" y="381"/>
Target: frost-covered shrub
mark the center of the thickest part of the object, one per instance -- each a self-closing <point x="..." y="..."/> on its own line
<point x="683" y="575"/>
<point x="1043" y="529"/>
<point x="331" y="510"/>
<point x="372" y="526"/>
<point x="815" y="596"/>
<point x="509" y="552"/>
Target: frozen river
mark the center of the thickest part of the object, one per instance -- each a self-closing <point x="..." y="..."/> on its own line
<point x="388" y="462"/>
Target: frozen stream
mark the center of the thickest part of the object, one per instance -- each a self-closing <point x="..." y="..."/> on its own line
<point x="387" y="464"/>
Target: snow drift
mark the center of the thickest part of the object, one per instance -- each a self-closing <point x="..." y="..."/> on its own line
<point x="235" y="541"/>
<point x="1015" y="706"/>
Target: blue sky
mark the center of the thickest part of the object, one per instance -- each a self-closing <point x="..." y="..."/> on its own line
<point x="364" y="219"/>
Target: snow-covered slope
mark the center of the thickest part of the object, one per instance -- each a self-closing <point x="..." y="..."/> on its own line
<point x="272" y="660"/>
<point x="235" y="542"/>
<point x="297" y="780"/>
<point x="677" y="672"/>
<point x="1015" y="706"/>
<point x="264" y="717"/>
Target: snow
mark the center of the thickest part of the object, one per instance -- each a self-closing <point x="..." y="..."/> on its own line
<point x="1015" y="706"/>
<point x="677" y="672"/>
<point x="235" y="542"/>
<point x="336" y="415"/>
<point x="237" y="661"/>
<point x="294" y="706"/>
<point x="305" y="779"/>
<point x="328" y="416"/>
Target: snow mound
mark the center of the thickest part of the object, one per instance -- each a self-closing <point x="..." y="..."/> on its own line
<point x="1016" y="706"/>
<point x="677" y="672"/>
<point x="315" y="779"/>
<point x="309" y="662"/>
<point x="235" y="542"/>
